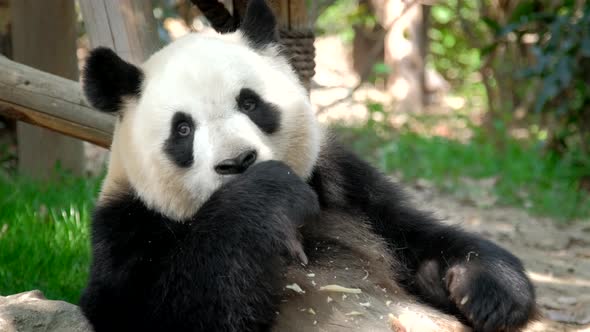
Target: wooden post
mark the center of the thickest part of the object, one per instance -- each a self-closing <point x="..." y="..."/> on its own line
<point x="6" y="50"/>
<point x="126" y="26"/>
<point x="5" y="29"/>
<point x="44" y="37"/>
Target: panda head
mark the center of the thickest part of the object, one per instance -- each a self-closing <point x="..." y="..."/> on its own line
<point x="201" y="111"/>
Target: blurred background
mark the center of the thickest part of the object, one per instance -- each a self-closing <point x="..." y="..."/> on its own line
<point x="481" y="108"/>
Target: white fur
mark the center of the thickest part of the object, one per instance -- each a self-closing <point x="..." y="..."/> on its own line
<point x="201" y="75"/>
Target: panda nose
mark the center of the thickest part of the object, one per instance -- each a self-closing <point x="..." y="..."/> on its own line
<point x="238" y="164"/>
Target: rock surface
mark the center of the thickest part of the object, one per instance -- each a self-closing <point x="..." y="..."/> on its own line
<point x="32" y="312"/>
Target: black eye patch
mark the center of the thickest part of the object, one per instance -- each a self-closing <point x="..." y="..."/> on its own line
<point x="179" y="145"/>
<point x="265" y="115"/>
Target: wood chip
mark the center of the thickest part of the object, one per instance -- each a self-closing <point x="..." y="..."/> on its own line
<point x="294" y="287"/>
<point x="340" y="289"/>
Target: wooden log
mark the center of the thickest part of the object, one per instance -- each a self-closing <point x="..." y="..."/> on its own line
<point x="52" y="102"/>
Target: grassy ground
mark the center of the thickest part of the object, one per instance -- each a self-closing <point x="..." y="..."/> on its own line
<point x="44" y="236"/>
<point x="520" y="173"/>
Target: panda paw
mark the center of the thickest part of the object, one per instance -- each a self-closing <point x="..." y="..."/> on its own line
<point x="492" y="298"/>
<point x="279" y="186"/>
<point x="282" y="189"/>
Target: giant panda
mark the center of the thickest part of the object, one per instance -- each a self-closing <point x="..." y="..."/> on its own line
<point x="226" y="207"/>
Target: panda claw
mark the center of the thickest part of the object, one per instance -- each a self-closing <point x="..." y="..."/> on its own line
<point x="297" y="251"/>
<point x="303" y="259"/>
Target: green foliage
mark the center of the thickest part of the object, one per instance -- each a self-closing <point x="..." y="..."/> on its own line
<point x="44" y="236"/>
<point x="454" y="45"/>
<point x="561" y="66"/>
<point x="452" y="50"/>
<point x="341" y="16"/>
<point x="543" y="184"/>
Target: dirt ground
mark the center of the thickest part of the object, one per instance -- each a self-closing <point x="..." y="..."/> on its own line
<point x="557" y="257"/>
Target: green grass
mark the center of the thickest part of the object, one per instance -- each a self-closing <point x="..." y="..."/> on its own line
<point x="44" y="235"/>
<point x="528" y="178"/>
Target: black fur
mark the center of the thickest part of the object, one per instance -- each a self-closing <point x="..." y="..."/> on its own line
<point x="219" y="271"/>
<point x="444" y="265"/>
<point x="107" y="79"/>
<point x="259" y="25"/>
<point x="180" y="148"/>
<point x="219" y="17"/>
<point x="265" y="115"/>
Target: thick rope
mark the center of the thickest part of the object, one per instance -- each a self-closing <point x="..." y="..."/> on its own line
<point x="299" y="49"/>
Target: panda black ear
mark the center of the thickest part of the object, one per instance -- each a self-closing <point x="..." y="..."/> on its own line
<point x="259" y="25"/>
<point x="107" y="79"/>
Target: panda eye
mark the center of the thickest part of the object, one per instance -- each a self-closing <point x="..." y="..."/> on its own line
<point x="183" y="129"/>
<point x="249" y="104"/>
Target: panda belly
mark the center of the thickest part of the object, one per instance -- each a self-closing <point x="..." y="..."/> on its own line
<point x="343" y="254"/>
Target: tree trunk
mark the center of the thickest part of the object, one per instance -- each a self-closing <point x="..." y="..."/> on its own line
<point x="403" y="54"/>
<point x="404" y="50"/>
<point x="44" y="37"/>
<point x="365" y="39"/>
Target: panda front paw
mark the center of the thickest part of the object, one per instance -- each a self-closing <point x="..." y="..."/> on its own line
<point x="497" y="297"/>
<point x="281" y="189"/>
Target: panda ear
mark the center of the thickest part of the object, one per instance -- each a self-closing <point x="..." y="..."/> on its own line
<point x="259" y="25"/>
<point x="107" y="79"/>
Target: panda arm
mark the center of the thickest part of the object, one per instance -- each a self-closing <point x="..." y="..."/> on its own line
<point x="240" y="242"/>
<point x="456" y="271"/>
<point x="222" y="271"/>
